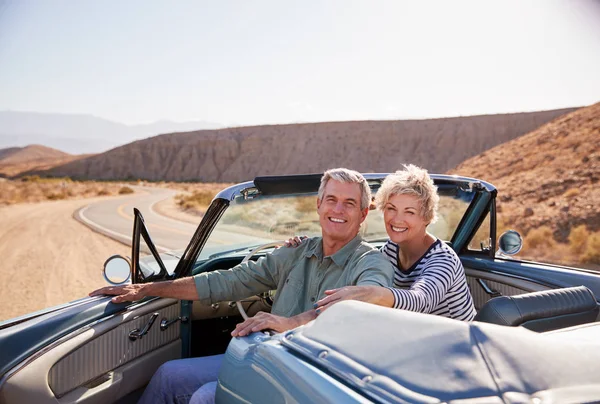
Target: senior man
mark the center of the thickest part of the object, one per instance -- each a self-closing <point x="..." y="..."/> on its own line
<point x="301" y="275"/>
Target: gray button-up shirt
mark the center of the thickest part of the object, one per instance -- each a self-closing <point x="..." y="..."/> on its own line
<point x="301" y="275"/>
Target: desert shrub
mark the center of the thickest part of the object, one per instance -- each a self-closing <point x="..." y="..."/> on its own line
<point x="539" y="237"/>
<point x="125" y="191"/>
<point x="306" y="204"/>
<point x="31" y="178"/>
<point x="578" y="239"/>
<point x="197" y="200"/>
<point x="102" y="192"/>
<point x="592" y="250"/>
<point x="571" y="193"/>
<point x="56" y="196"/>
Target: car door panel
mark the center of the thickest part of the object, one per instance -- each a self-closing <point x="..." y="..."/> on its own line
<point x="510" y="277"/>
<point x="98" y="363"/>
<point x="486" y="285"/>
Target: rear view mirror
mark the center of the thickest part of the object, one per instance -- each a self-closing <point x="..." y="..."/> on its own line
<point x="510" y="242"/>
<point x="117" y="270"/>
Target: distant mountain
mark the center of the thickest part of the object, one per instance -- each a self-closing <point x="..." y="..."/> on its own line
<point x="238" y="154"/>
<point x="81" y="133"/>
<point x="16" y="160"/>
<point x="549" y="177"/>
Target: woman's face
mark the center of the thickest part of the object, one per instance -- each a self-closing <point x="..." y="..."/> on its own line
<point x="402" y="217"/>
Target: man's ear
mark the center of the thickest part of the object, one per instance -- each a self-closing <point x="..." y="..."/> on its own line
<point x="364" y="213"/>
<point x="318" y="203"/>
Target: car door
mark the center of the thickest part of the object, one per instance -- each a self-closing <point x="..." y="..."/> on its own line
<point x="491" y="273"/>
<point x="87" y="352"/>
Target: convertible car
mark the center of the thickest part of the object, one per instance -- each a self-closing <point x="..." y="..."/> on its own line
<point x="536" y="337"/>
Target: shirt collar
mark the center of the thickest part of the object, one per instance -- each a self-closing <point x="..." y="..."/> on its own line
<point x="341" y="256"/>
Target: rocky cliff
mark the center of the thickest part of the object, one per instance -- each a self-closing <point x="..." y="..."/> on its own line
<point x="549" y="177"/>
<point x="239" y="154"/>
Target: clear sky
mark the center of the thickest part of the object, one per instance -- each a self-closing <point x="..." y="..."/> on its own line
<point x="254" y="62"/>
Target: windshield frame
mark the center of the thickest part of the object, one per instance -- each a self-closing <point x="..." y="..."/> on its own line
<point x="301" y="184"/>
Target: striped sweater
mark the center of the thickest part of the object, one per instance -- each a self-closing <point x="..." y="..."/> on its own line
<point x="435" y="284"/>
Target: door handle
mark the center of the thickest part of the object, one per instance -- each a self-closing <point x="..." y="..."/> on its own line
<point x="137" y="334"/>
<point x="164" y="323"/>
<point x="487" y="289"/>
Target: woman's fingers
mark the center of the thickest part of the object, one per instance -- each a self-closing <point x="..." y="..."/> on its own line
<point x="326" y="300"/>
<point x="332" y="291"/>
<point x="321" y="309"/>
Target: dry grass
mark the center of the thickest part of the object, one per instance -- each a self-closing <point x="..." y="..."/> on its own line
<point x="35" y="189"/>
<point x="196" y="196"/>
<point x="571" y="193"/>
<point x="539" y="238"/>
<point x="591" y="254"/>
<point x="125" y="190"/>
<point x="578" y="239"/>
<point x="581" y="249"/>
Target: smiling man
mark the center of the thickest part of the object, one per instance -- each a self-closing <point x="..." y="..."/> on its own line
<point x="301" y="276"/>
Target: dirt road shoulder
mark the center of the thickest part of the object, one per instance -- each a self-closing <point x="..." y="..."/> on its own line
<point x="48" y="258"/>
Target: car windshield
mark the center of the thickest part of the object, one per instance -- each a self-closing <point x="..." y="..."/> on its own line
<point x="263" y="219"/>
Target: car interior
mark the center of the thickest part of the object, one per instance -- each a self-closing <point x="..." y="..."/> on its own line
<point x="107" y="362"/>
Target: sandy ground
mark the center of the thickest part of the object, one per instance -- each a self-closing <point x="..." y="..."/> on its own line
<point x="47" y="257"/>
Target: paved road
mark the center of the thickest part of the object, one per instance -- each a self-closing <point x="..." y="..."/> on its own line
<point x="114" y="218"/>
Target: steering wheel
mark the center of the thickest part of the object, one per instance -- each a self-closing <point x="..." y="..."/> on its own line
<point x="246" y="259"/>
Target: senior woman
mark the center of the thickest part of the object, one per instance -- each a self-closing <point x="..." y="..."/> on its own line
<point x="429" y="276"/>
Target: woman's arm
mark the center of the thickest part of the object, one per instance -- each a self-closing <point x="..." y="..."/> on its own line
<point x="429" y="289"/>
<point x="370" y="294"/>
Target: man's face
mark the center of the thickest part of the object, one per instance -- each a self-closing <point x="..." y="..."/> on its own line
<point x="339" y="211"/>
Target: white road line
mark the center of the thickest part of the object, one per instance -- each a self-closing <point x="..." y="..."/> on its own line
<point x="109" y="231"/>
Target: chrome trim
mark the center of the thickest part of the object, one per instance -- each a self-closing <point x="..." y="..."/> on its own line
<point x="164" y="323"/>
<point x="136" y="334"/>
<point x="229" y="193"/>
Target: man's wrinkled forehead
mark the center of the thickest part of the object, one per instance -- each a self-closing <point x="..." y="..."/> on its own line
<point x="342" y="190"/>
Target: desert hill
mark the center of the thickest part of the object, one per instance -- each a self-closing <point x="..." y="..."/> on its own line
<point x="16" y="160"/>
<point x="8" y="151"/>
<point x="549" y="178"/>
<point x="239" y="154"/>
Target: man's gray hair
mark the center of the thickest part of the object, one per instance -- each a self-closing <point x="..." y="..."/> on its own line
<point x="349" y="177"/>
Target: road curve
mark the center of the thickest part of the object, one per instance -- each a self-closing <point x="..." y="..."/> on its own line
<point x="114" y="218"/>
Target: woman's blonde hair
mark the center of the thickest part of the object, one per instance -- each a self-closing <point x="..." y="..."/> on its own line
<point x="415" y="181"/>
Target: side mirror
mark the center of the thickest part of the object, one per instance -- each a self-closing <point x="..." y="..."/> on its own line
<point x="510" y="242"/>
<point x="117" y="270"/>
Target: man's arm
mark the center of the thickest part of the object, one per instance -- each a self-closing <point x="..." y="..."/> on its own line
<point x="243" y="280"/>
<point x="183" y="289"/>
<point x="237" y="283"/>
